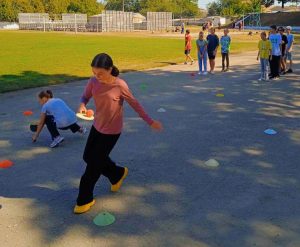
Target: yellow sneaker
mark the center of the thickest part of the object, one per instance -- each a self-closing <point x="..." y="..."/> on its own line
<point x="117" y="186"/>
<point x="84" y="208"/>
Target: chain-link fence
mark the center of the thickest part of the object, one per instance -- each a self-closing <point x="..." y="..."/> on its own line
<point x="159" y="21"/>
<point x="108" y="21"/>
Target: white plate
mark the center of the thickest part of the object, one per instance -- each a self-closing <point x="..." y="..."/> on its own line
<point x="80" y="115"/>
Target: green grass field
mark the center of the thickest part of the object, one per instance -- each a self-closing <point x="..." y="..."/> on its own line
<point x="32" y="59"/>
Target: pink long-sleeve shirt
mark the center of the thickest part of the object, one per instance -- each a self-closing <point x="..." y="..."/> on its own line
<point x="109" y="99"/>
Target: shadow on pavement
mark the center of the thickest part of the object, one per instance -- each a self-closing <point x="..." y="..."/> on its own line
<point x="29" y="79"/>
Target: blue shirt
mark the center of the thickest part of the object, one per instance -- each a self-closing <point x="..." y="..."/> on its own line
<point x="213" y="42"/>
<point x="276" y="42"/>
<point x="201" y="45"/>
<point x="290" y="38"/>
<point x="62" y="114"/>
<point x="225" y="44"/>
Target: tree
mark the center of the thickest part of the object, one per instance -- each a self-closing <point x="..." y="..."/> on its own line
<point x="37" y="6"/>
<point x="188" y="8"/>
<point x="129" y="5"/>
<point x="180" y="8"/>
<point x="89" y="7"/>
<point x="283" y="2"/>
<point x="267" y="3"/>
<point x="7" y="11"/>
<point x="23" y="6"/>
<point x="56" y="7"/>
<point x="236" y="7"/>
<point x="214" y="8"/>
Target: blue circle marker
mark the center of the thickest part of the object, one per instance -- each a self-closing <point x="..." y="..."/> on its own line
<point x="270" y="132"/>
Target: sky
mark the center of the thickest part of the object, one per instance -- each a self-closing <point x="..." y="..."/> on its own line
<point x="203" y="3"/>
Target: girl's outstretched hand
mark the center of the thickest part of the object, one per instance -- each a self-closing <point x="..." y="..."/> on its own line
<point x="156" y="125"/>
<point x="82" y="108"/>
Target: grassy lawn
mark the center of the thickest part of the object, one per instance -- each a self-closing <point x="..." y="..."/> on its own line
<point x="31" y="59"/>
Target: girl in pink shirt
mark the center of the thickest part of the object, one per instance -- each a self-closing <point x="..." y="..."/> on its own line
<point x="109" y="93"/>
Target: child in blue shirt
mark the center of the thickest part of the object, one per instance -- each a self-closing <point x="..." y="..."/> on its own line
<point x="56" y="114"/>
<point x="202" y="54"/>
<point x="225" y="48"/>
<point x="276" y="41"/>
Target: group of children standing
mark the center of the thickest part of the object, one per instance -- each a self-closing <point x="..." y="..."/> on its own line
<point x="274" y="52"/>
<point x="207" y="48"/>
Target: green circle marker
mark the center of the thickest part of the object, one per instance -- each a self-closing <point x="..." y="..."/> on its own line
<point x="104" y="219"/>
<point x="143" y="87"/>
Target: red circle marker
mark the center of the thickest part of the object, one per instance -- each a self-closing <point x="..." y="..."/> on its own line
<point x="193" y="74"/>
<point x="6" y="163"/>
<point x="27" y="113"/>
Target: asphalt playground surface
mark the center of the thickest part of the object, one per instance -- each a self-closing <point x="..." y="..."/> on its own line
<point x="170" y="197"/>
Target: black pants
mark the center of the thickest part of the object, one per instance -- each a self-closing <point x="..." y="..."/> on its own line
<point x="96" y="156"/>
<point x="51" y="125"/>
<point x="275" y="66"/>
<point x="225" y="56"/>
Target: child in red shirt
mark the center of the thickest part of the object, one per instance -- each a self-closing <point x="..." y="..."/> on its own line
<point x="188" y="47"/>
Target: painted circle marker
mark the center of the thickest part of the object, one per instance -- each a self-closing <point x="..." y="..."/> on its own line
<point x="270" y="132"/>
<point x="212" y="163"/>
<point x="161" y="110"/>
<point x="220" y="95"/>
<point x="104" y="219"/>
<point x="6" y="163"/>
<point x="143" y="87"/>
<point x="27" y="113"/>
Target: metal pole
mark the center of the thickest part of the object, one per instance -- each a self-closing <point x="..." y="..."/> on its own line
<point x="97" y="24"/>
<point x="243" y="22"/>
<point x="44" y="24"/>
<point x="75" y="24"/>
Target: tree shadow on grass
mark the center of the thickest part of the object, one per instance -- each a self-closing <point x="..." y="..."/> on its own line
<point x="31" y="79"/>
<point x="170" y="197"/>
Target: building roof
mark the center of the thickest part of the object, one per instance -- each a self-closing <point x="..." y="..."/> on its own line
<point x="138" y="15"/>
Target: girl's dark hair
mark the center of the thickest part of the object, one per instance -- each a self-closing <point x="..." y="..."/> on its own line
<point x="104" y="61"/>
<point x="48" y="94"/>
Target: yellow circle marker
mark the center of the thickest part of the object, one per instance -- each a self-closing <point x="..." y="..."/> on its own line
<point x="220" y="95"/>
